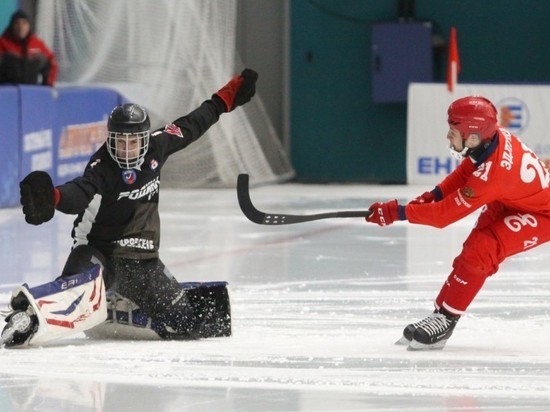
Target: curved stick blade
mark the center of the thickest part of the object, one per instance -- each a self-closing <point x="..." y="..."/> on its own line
<point x="261" y="218"/>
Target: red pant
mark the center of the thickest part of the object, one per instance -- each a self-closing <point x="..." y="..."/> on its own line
<point x="499" y="233"/>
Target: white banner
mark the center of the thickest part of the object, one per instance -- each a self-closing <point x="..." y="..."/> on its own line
<point x="522" y="109"/>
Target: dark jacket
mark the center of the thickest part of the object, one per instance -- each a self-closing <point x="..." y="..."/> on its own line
<point x="27" y="61"/>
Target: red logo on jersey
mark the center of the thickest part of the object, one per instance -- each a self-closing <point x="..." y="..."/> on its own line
<point x="173" y="129"/>
<point x="129" y="176"/>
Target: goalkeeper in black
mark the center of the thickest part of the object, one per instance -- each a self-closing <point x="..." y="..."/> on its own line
<point x="117" y="225"/>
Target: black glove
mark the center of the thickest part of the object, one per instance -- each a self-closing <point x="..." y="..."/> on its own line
<point x="37" y="197"/>
<point x="239" y="90"/>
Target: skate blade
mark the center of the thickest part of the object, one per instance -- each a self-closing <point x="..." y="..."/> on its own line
<point x="7" y="334"/>
<point x="403" y="341"/>
<point x="5" y="338"/>
<point x="417" y="346"/>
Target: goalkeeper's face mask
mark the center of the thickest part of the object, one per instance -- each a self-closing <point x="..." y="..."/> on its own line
<point x="128" y="138"/>
<point x="128" y="149"/>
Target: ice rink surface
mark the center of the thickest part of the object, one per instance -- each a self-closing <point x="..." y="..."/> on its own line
<point x="316" y="306"/>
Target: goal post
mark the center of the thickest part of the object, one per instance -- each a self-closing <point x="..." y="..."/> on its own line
<point x="168" y="56"/>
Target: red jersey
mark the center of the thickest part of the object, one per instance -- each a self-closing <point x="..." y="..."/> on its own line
<point x="22" y="61"/>
<point x="508" y="173"/>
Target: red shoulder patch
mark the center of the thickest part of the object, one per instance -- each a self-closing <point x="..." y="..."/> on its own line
<point x="173" y="129"/>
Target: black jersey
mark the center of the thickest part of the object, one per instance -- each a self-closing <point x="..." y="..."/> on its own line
<point x="118" y="209"/>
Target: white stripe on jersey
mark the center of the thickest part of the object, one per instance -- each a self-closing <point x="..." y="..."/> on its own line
<point x="83" y="228"/>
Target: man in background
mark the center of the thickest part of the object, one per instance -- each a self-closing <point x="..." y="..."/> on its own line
<point x="24" y="57"/>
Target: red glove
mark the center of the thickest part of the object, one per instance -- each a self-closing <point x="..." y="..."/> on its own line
<point x="239" y="90"/>
<point x="426" y="197"/>
<point x="384" y="214"/>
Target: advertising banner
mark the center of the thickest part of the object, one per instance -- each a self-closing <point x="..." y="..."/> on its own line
<point x="522" y="109"/>
<point x="51" y="129"/>
<point x="37" y="111"/>
<point x="11" y="139"/>
<point x="80" y="127"/>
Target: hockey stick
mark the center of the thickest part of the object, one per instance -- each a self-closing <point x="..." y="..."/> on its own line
<point x="262" y="218"/>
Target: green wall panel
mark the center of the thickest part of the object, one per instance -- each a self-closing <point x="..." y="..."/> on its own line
<point x="7" y="7"/>
<point x="337" y="132"/>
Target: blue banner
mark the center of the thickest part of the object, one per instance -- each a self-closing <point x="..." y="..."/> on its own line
<point x="37" y="111"/>
<point x="49" y="129"/>
<point x="10" y="137"/>
<point x="80" y="128"/>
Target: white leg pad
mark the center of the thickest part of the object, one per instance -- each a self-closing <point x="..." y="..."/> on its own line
<point x="67" y="305"/>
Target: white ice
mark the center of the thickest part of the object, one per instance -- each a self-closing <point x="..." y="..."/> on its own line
<point x="316" y="306"/>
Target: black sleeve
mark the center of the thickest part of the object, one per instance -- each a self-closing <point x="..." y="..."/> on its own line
<point x="76" y="195"/>
<point x="195" y="124"/>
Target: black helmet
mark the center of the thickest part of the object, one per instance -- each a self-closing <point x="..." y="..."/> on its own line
<point x="128" y="135"/>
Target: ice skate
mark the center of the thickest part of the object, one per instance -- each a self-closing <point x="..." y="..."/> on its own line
<point x="19" y="328"/>
<point x="433" y="331"/>
<point x="408" y="332"/>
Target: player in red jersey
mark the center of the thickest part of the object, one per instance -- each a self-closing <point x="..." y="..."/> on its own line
<point x="500" y="174"/>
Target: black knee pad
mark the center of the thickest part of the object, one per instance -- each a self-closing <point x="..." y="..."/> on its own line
<point x="83" y="258"/>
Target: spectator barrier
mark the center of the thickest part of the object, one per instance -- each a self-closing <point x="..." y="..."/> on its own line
<point x="50" y="129"/>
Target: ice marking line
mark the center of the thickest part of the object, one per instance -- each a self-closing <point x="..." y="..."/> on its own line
<point x="259" y="245"/>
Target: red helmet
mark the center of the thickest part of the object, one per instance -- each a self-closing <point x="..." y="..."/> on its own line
<point x="473" y="114"/>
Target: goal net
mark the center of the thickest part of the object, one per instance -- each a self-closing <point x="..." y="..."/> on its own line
<point x="169" y="56"/>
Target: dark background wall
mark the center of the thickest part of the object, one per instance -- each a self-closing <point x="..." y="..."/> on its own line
<point x="337" y="132"/>
<point x="262" y="43"/>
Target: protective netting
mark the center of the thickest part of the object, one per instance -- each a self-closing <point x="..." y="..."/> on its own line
<point x="169" y="56"/>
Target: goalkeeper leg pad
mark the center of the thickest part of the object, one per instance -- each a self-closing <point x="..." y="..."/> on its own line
<point x="57" y="309"/>
<point x="126" y="320"/>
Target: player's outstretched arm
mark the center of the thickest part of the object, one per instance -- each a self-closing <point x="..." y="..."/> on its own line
<point x="238" y="91"/>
